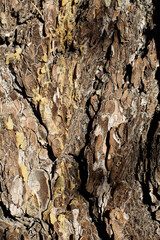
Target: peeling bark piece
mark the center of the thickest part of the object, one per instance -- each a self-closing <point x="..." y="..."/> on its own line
<point x="38" y="182"/>
<point x="17" y="192"/>
<point x="33" y="206"/>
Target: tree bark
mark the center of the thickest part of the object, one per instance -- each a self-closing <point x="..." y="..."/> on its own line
<point x="79" y="119"/>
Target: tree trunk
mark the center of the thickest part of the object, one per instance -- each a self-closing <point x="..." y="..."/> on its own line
<point x="79" y="119"/>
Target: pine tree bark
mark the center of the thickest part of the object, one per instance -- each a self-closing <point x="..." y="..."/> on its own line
<point x="79" y="119"/>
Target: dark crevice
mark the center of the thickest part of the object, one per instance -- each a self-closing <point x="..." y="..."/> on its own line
<point x="155" y="193"/>
<point x="2" y="41"/>
<point x="157" y="76"/>
<point x="71" y="48"/>
<point x="5" y="234"/>
<point x="50" y="189"/>
<point x="149" y="35"/>
<point x="41" y="4"/>
<point x="69" y="205"/>
<point x="140" y="159"/>
<point x="39" y="17"/>
<point x="52" y="232"/>
<point x="13" y="13"/>
<point x="83" y="167"/>
<point x="106" y="215"/>
<point x="128" y="75"/>
<point x="50" y="153"/>
<point x="156" y="30"/>
<point x="149" y="151"/>
<point x="104" y="35"/>
<point x="118" y="34"/>
<point x="56" y="22"/>
<point x="143" y="157"/>
<point x="15" y="43"/>
<point x="5" y="41"/>
<point x="98" y="83"/>
<point x="141" y="88"/>
<point x="107" y="143"/>
<point x="146" y="196"/>
<point x="112" y="238"/>
<point x="40" y="236"/>
<point x="108" y="53"/>
<point x="71" y="237"/>
<point x="20" y="91"/>
<point x="56" y="236"/>
<point x="101" y="227"/>
<point x="6" y="211"/>
<point x="152" y="150"/>
<point x="43" y="31"/>
<point x="35" y="110"/>
<point x="146" y="155"/>
<point x="95" y="86"/>
<point x="153" y="127"/>
<point x="65" y="45"/>
<point x="156" y="35"/>
<point x="60" y="4"/>
<point x="72" y="3"/>
<point x="83" y="6"/>
<point x="22" y="237"/>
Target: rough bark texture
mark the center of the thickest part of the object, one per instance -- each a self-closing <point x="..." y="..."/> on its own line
<point x="79" y="119"/>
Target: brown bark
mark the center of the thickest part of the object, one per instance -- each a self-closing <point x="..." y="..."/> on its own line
<point x="79" y="119"/>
